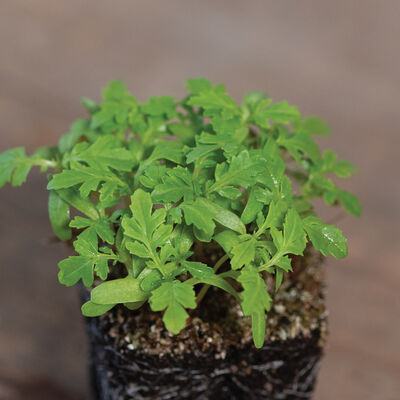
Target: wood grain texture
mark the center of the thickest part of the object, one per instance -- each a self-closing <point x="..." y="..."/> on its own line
<point x="339" y="60"/>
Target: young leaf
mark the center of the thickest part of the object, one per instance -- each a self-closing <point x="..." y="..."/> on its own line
<point x="349" y="202"/>
<point x="177" y="184"/>
<point x="101" y="226"/>
<point x="145" y="226"/>
<point x="279" y="112"/>
<point x="328" y="239"/>
<point x="173" y="297"/>
<point x="294" y="239"/>
<point x="215" y="101"/>
<point x="313" y="126"/>
<point x="106" y="152"/>
<point x="74" y="268"/>
<point x="243" y="253"/>
<point x="79" y="267"/>
<point x="199" y="215"/>
<point x="256" y="301"/>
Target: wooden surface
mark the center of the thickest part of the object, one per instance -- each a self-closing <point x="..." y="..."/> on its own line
<point x="339" y="60"/>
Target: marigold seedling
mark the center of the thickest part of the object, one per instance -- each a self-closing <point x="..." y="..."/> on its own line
<point x="156" y="184"/>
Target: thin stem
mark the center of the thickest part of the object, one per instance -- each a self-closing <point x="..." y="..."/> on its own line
<point x="205" y="288"/>
<point x="271" y="262"/>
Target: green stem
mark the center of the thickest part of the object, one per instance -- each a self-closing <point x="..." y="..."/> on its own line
<point x="205" y="288"/>
<point x="271" y="262"/>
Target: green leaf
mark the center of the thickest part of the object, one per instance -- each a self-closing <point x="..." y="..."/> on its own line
<point x="223" y="216"/>
<point x="74" y="268"/>
<point x="198" y="214"/>
<point x="241" y="171"/>
<point x="256" y="301"/>
<point x="173" y="297"/>
<point x="144" y="225"/>
<point x="313" y="126"/>
<point x="349" y="202"/>
<point x="294" y="239"/>
<point x="280" y="112"/>
<point x="79" y="267"/>
<point x="14" y="167"/>
<point x="328" y="239"/>
<point x="253" y="206"/>
<point x="163" y="105"/>
<point x="90" y="309"/>
<point x="215" y="101"/>
<point x="125" y="290"/>
<point x="177" y="184"/>
<point x="100" y="226"/>
<point x="299" y="145"/>
<point x="106" y="152"/>
<point x="198" y="269"/>
<point x="198" y="85"/>
<point x="227" y="239"/>
<point x="171" y="151"/>
<point x="151" y="281"/>
<point x="59" y="216"/>
<point x="71" y="196"/>
<point x="88" y="177"/>
<point x="199" y="152"/>
<point x="243" y="253"/>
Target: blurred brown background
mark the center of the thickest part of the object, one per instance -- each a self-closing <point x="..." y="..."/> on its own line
<point x="339" y="60"/>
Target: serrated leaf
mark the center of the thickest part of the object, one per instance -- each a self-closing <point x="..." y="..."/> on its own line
<point x="138" y="249"/>
<point x="349" y="202"/>
<point x="328" y="239"/>
<point x="215" y="101"/>
<point x="173" y="297"/>
<point x="279" y="112"/>
<point x="88" y="177"/>
<point x="199" y="152"/>
<point x="143" y="223"/>
<point x="74" y="268"/>
<point x="313" y="126"/>
<point x="299" y="145"/>
<point x="243" y="253"/>
<point x="256" y="301"/>
<point x="106" y="152"/>
<point x="176" y="185"/>
<point x="101" y="226"/>
<point x="198" y="85"/>
<point x="199" y="215"/>
<point x="171" y="151"/>
<point x="164" y="105"/>
<point x="294" y="239"/>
